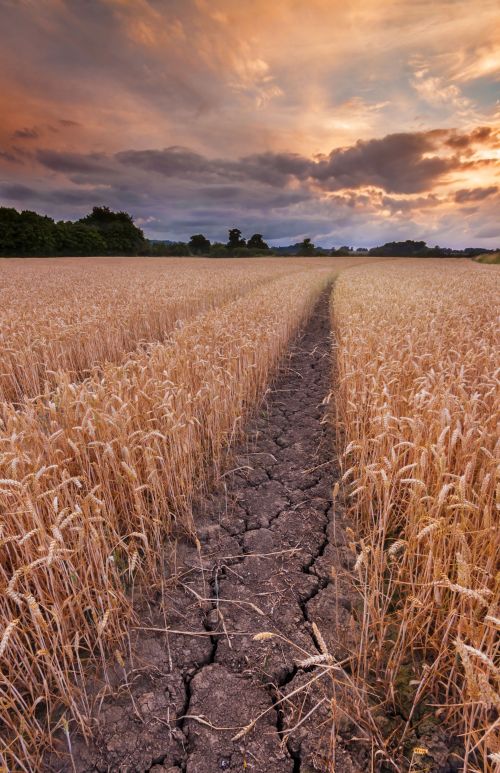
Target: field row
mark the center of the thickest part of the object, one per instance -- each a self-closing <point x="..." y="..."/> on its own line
<point x="419" y="403"/>
<point x="65" y="316"/>
<point x="95" y="476"/>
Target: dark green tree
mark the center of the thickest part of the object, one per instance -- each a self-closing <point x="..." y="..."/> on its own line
<point x="199" y="244"/>
<point x="117" y="229"/>
<point x="400" y="249"/>
<point x="256" y="242"/>
<point x="178" y="249"/>
<point x="77" y="239"/>
<point x="341" y="252"/>
<point x="219" y="250"/>
<point x="306" y="248"/>
<point x="10" y="229"/>
<point x="26" y="233"/>
<point x="235" y="239"/>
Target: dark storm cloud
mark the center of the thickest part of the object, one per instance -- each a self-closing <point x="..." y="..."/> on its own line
<point x="477" y="136"/>
<point x="68" y="122"/>
<point x="372" y="187"/>
<point x="269" y="168"/>
<point x="413" y="204"/>
<point x="11" y="158"/>
<point x="69" y="163"/>
<point x="24" y="195"/>
<point x="475" y="194"/>
<point x="395" y="163"/>
<point x="17" y="192"/>
<point x="275" y="168"/>
<point x="74" y="197"/>
<point x="170" y="162"/>
<point x="253" y="195"/>
<point x="398" y="163"/>
<point x="26" y="134"/>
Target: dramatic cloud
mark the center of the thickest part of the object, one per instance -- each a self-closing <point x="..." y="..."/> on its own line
<point x="170" y="162"/>
<point x="26" y="134"/>
<point x="270" y="168"/>
<point x="481" y="134"/>
<point x="18" y="193"/>
<point x="341" y="121"/>
<point x="72" y="162"/>
<point x="475" y="194"/>
<point x="399" y="163"/>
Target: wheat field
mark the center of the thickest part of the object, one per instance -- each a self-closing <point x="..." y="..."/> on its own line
<point x="96" y="472"/>
<point x="123" y="384"/>
<point x="66" y="316"/>
<point x="418" y="401"/>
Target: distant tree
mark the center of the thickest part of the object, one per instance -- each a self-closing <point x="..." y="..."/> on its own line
<point x="77" y="239"/>
<point x="473" y="251"/>
<point x="156" y="249"/>
<point x="404" y="249"/>
<point x="10" y="228"/>
<point x="26" y="233"/>
<point x="117" y="229"/>
<point x="199" y="244"/>
<point x="178" y="250"/>
<point x="219" y="250"/>
<point x="235" y="239"/>
<point x="341" y="252"/>
<point x="306" y="248"/>
<point x="244" y="252"/>
<point x="256" y="242"/>
<point x="165" y="249"/>
<point x="430" y="252"/>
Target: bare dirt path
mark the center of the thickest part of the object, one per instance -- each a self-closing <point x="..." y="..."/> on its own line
<point x="272" y="558"/>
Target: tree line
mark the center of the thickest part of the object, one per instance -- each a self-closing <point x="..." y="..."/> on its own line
<point x="104" y="232"/>
<point x="236" y="245"/>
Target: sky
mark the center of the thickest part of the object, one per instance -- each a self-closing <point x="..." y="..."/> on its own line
<point x="348" y="121"/>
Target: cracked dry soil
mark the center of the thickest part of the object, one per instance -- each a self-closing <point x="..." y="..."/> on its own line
<point x="273" y="558"/>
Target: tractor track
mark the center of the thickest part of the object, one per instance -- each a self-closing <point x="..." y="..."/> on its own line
<point x="273" y="558"/>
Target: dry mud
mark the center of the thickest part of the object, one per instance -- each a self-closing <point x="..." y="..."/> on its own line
<point x="272" y="558"/>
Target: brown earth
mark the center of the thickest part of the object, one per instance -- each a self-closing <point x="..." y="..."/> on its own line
<point x="273" y="557"/>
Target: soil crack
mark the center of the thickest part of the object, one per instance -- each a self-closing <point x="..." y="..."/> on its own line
<point x="269" y="537"/>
